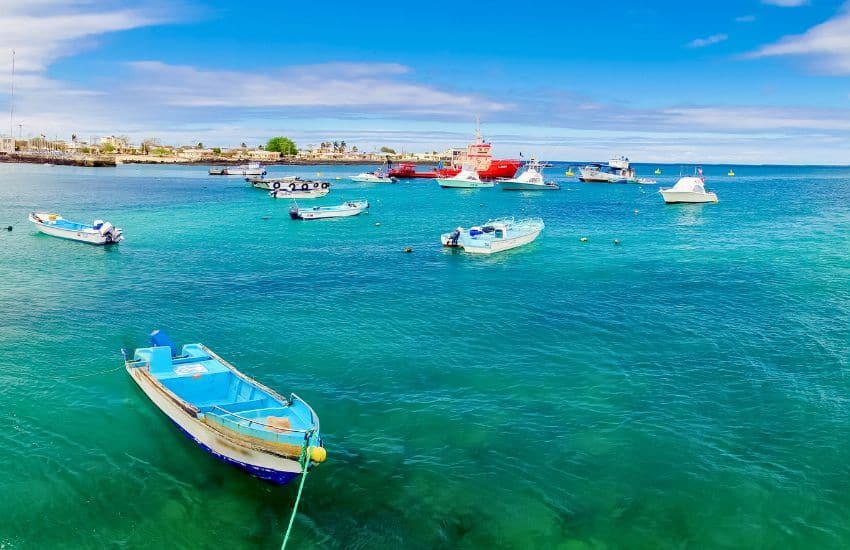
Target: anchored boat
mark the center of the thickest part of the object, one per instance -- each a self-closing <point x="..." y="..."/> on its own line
<point x="530" y="180"/>
<point x="494" y="236"/>
<point x="689" y="189"/>
<point x="344" y="210"/>
<point x="99" y="232"/>
<point x="250" y="169"/>
<point x="300" y="192"/>
<point x="229" y="415"/>
<point x="377" y="176"/>
<point x="466" y="179"/>
<point x="291" y="183"/>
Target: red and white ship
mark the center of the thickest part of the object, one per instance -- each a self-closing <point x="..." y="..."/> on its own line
<point x="477" y="154"/>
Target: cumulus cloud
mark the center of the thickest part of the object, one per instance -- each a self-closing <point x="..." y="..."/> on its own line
<point x="828" y="44"/>
<point x="703" y="42"/>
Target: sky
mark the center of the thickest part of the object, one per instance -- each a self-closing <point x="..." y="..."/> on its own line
<point x="728" y="81"/>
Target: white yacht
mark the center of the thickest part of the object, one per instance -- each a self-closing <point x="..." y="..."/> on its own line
<point x="530" y="180"/>
<point x="467" y="178"/>
<point x="690" y="189"/>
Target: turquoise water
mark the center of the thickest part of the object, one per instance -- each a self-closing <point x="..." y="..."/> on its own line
<point x="686" y="388"/>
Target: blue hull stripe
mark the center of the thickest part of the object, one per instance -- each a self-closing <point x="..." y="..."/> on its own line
<point x="275" y="476"/>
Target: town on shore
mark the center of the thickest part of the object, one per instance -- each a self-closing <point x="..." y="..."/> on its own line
<point x="113" y="150"/>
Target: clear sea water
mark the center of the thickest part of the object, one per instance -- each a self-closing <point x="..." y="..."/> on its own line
<point x="685" y="388"/>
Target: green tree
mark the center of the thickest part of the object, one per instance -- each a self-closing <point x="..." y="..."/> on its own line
<point x="216" y="150"/>
<point x="386" y="149"/>
<point x="200" y="145"/>
<point x="282" y="145"/>
<point x="108" y="148"/>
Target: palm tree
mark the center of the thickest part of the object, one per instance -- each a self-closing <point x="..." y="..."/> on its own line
<point x="336" y="146"/>
<point x="342" y="147"/>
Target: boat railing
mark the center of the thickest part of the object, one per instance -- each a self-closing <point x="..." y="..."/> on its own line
<point x="314" y="418"/>
<point x="278" y="429"/>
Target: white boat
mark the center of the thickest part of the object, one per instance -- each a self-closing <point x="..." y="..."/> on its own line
<point x="618" y="170"/>
<point x="373" y="177"/>
<point x="690" y="189"/>
<point x="467" y="178"/>
<point x="309" y="193"/>
<point x="530" y="180"/>
<point x="291" y="183"/>
<point x="99" y="232"/>
<point x="344" y="210"/>
<point x="494" y="236"/>
<point x="250" y="169"/>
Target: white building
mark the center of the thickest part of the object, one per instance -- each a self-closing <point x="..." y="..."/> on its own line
<point x="7" y="144"/>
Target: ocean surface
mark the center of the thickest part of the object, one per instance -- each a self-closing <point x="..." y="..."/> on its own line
<point x="685" y="388"/>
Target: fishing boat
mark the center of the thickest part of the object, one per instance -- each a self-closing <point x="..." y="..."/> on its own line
<point x="250" y="169"/>
<point x="465" y="179"/>
<point x="378" y="176"/>
<point x="478" y="154"/>
<point x="99" y="232"/>
<point x="530" y="180"/>
<point x="690" y="189"/>
<point x="301" y="193"/>
<point x="226" y="413"/>
<point x="344" y="210"/>
<point x="494" y="236"/>
<point x="618" y="170"/>
<point x="291" y="183"/>
<point x="217" y="172"/>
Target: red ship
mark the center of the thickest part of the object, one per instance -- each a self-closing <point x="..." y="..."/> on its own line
<point x="477" y="154"/>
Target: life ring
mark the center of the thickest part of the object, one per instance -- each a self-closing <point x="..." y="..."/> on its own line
<point x="315" y="185"/>
<point x="305" y="186"/>
<point x="325" y="185"/>
<point x="276" y="185"/>
<point x="292" y="187"/>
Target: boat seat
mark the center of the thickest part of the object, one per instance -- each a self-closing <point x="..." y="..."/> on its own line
<point x="237" y="406"/>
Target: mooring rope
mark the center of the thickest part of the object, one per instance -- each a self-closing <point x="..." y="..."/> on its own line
<point x="304" y="460"/>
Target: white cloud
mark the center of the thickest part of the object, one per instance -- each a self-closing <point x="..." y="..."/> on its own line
<point x="785" y="3"/>
<point x="703" y="42"/>
<point x="339" y="86"/>
<point x="827" y="43"/>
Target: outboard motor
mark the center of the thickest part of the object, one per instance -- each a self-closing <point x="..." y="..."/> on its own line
<point x="105" y="228"/>
<point x="159" y="339"/>
<point x="453" y="238"/>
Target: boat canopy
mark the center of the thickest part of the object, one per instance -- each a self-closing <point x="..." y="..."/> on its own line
<point x="689" y="185"/>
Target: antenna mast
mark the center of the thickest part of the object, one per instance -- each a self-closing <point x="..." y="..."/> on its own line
<point x="12" y="103"/>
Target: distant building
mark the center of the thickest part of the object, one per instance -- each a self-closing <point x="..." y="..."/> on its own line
<point x="119" y="142"/>
<point x="258" y="154"/>
<point x="7" y="145"/>
<point x="195" y="154"/>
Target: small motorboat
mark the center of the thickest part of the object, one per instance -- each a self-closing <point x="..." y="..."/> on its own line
<point x="226" y="413"/>
<point x="690" y="189"/>
<point x="377" y="176"/>
<point x="494" y="236"/>
<point x="344" y="210"/>
<point x="466" y="179"/>
<point x="250" y="169"/>
<point x="530" y="180"/>
<point x="283" y="183"/>
<point x="99" y="232"/>
<point x="300" y="192"/>
<point x="217" y="171"/>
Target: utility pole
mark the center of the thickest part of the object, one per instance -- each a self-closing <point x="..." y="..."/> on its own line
<point x="12" y="101"/>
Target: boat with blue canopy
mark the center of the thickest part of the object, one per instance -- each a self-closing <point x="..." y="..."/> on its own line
<point x="494" y="235"/>
<point x="226" y="413"/>
<point x="99" y="232"/>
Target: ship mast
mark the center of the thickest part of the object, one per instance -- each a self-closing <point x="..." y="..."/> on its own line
<point x="477" y="129"/>
<point x="12" y="104"/>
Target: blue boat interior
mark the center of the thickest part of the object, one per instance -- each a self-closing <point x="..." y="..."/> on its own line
<point x="237" y="403"/>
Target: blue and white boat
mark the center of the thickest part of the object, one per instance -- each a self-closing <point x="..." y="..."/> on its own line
<point x="494" y="236"/>
<point x="99" y="232"/>
<point x="229" y="415"/>
<point x="344" y="210"/>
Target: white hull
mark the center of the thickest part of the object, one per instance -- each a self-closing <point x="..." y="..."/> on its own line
<point x="307" y="215"/>
<point x="460" y="184"/>
<point x="246" y="172"/>
<point x="299" y="194"/>
<point x="508" y="185"/>
<point x="677" y="197"/>
<point x="503" y="244"/>
<point x="217" y="443"/>
<point x="372" y="179"/>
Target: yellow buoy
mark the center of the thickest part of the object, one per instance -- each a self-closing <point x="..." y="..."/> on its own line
<point x="570" y="173"/>
<point x="339" y="178"/>
<point x="319" y="174"/>
<point x="731" y="173"/>
<point x="318" y="454"/>
<point x="658" y="171"/>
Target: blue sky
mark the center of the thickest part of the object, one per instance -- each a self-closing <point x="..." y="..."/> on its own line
<point x="735" y="81"/>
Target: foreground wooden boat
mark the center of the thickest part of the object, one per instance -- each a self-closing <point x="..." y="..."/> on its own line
<point x="99" y="232"/>
<point x="229" y="415"/>
<point x="494" y="236"/>
<point x="344" y="210"/>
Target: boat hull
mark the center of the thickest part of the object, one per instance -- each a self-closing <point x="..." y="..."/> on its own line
<point x="686" y="197"/>
<point x="246" y="172"/>
<point x="264" y="465"/>
<point x="312" y="193"/>
<point x="524" y="186"/>
<point x="502" y="244"/>
<point x="362" y="179"/>
<point x="461" y="184"/>
<point x="506" y="169"/>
